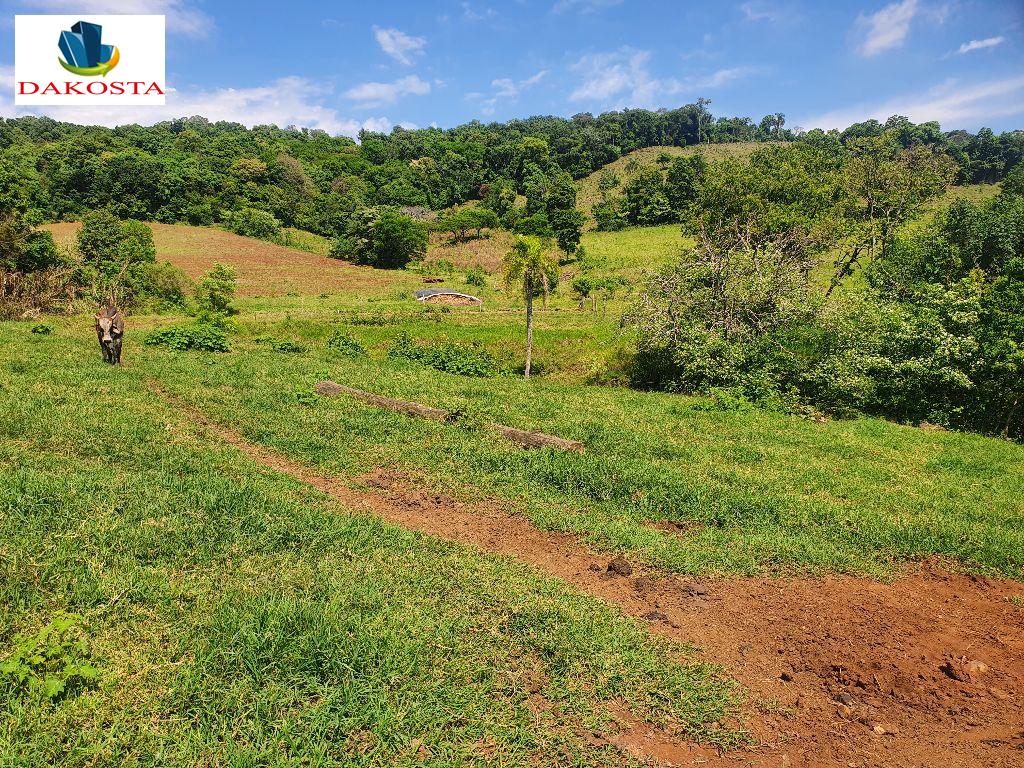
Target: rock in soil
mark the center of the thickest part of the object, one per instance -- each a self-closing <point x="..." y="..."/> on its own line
<point x="620" y="566"/>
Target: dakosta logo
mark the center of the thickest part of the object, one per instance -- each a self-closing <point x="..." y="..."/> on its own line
<point x="84" y="53"/>
<point x="99" y="60"/>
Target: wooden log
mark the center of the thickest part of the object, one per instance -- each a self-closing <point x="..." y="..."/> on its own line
<point x="520" y="436"/>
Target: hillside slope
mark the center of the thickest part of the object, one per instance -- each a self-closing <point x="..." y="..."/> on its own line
<point x="263" y="269"/>
<point x="586" y="188"/>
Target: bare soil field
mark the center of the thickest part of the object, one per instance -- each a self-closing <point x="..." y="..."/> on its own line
<point x="263" y="269"/>
<point x="842" y="671"/>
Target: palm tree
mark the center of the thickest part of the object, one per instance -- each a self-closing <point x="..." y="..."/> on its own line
<point x="530" y="264"/>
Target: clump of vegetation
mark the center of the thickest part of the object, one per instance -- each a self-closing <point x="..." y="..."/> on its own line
<point x="213" y="296"/>
<point x="461" y="223"/>
<point x="287" y="346"/>
<point x="344" y="343"/>
<point x="253" y="222"/>
<point x="118" y="260"/>
<point x="476" y="276"/>
<point x="51" y="663"/>
<point x="381" y="237"/>
<point x="449" y="357"/>
<point x="197" y="336"/>
<point x="42" y="329"/>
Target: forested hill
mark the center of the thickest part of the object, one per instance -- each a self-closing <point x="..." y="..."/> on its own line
<point x="192" y="170"/>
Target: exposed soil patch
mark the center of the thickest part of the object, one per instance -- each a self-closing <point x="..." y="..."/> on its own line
<point x="263" y="269"/>
<point x="842" y="671"/>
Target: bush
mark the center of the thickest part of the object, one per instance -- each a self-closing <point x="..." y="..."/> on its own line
<point x="202" y="337"/>
<point x="476" y="276"/>
<point x="287" y="346"/>
<point x="213" y="295"/>
<point x="42" y="329"/>
<point x="253" y="222"/>
<point x="344" y="343"/>
<point x="448" y="357"/>
<point x="382" y="238"/>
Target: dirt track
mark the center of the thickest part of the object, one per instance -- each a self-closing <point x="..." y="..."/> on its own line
<point x="842" y="671"/>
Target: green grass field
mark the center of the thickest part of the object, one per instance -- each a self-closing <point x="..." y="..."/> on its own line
<point x="239" y="618"/>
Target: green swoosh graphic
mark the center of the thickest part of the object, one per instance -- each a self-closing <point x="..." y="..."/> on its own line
<point x="99" y="69"/>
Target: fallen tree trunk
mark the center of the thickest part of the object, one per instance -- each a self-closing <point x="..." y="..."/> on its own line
<point x="520" y="436"/>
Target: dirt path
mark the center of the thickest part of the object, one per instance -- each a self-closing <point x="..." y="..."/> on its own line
<point x="842" y="671"/>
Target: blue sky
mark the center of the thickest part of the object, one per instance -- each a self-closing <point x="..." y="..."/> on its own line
<point x="345" y="65"/>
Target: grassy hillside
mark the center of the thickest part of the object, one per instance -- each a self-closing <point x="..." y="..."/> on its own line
<point x="586" y="188"/>
<point x="238" y="617"/>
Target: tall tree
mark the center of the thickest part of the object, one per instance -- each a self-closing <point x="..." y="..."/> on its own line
<point x="531" y="265"/>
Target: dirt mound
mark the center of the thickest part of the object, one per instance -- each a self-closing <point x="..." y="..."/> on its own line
<point x="842" y="671"/>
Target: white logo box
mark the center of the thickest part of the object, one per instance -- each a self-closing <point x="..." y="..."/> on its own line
<point x="138" y="77"/>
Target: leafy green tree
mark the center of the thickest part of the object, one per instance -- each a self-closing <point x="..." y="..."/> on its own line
<point x="683" y="181"/>
<point x="462" y="221"/>
<point x="382" y="238"/>
<point x="253" y="222"/>
<point x="530" y="264"/>
<point x="214" y="293"/>
<point x="645" y="202"/>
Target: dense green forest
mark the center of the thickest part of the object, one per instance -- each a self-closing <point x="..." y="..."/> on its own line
<point x="195" y="171"/>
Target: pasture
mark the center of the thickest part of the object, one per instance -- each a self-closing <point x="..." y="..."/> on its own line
<point x="313" y="579"/>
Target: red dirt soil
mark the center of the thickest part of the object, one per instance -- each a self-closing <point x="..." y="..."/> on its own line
<point x="262" y="268"/>
<point x="841" y="671"/>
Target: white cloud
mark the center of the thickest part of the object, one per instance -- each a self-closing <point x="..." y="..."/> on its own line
<point x="510" y="89"/>
<point x="622" y="78"/>
<point x="398" y="45"/>
<point x="977" y="45"/>
<point x="505" y="89"/>
<point x="886" y="28"/>
<point x="283" y="102"/>
<point x="761" y="10"/>
<point x="953" y="104"/>
<point x="584" y="6"/>
<point x="182" y="18"/>
<point x="377" y="94"/>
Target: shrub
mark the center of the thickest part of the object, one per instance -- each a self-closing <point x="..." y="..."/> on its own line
<point x="476" y="276"/>
<point x="42" y="329"/>
<point x="381" y="237"/>
<point x="253" y="222"/>
<point x="344" y="343"/>
<point x="448" y="357"/>
<point x="198" y="336"/>
<point x="287" y="346"/>
<point x="213" y="295"/>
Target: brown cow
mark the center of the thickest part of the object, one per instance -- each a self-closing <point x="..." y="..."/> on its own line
<point x="109" y="330"/>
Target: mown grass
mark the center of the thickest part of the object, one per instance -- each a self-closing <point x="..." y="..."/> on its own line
<point x="239" y="618"/>
<point x="750" y="491"/>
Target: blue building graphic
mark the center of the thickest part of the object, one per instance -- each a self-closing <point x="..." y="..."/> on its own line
<point x="82" y="47"/>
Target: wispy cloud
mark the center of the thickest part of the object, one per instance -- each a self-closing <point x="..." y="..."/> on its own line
<point x="977" y="45"/>
<point x="623" y="78"/>
<point x="182" y="17"/>
<point x="887" y="28"/>
<point x="370" y="95"/>
<point x="505" y="89"/>
<point x="763" y="10"/>
<point x="952" y="103"/>
<point x="398" y="45"/>
<point x="286" y="101"/>
<point x="472" y="13"/>
<point x="583" y="6"/>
